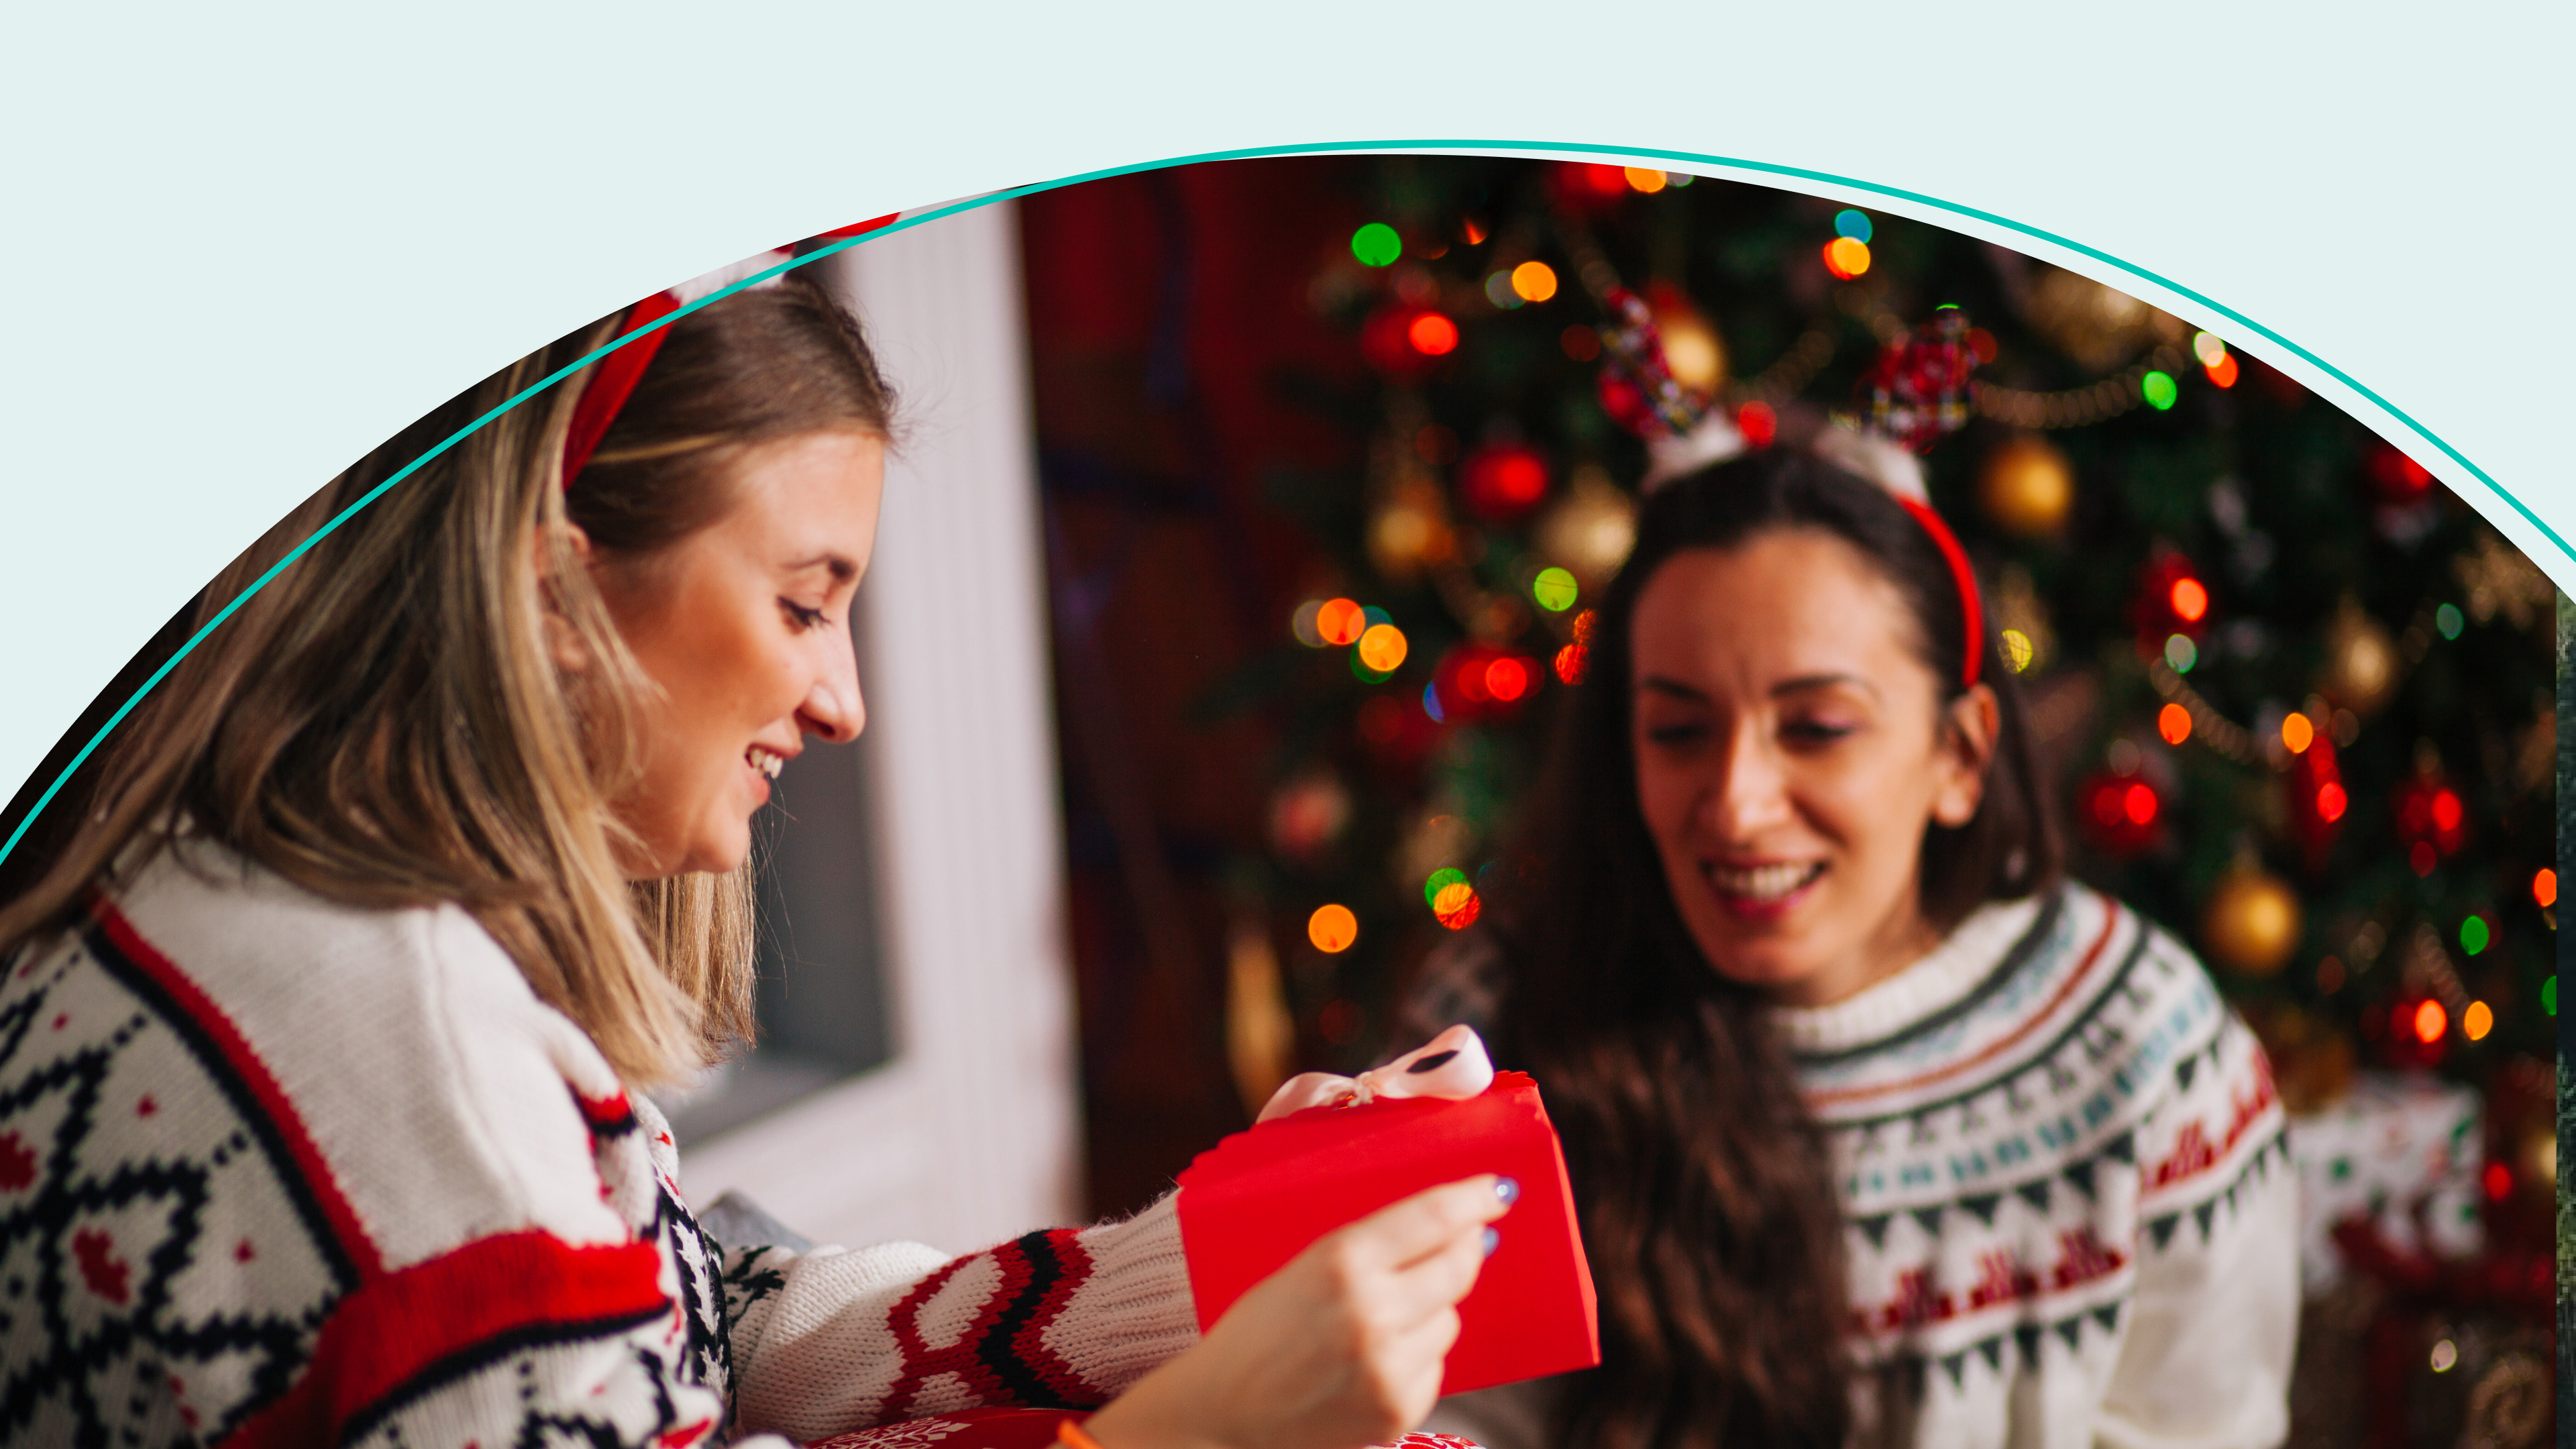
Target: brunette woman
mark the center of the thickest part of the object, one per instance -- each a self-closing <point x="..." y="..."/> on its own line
<point x="320" y="1042"/>
<point x="1881" y="1130"/>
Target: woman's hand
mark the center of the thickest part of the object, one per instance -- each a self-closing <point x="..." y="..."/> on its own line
<point x="1341" y="1348"/>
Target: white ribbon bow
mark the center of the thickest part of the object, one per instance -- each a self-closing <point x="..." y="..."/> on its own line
<point x="1452" y="1065"/>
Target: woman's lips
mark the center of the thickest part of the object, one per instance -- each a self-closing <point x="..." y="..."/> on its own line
<point x="1761" y="892"/>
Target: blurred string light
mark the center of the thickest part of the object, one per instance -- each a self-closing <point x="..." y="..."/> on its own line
<point x="1432" y="335"/>
<point x="1498" y="290"/>
<point x="1534" y="281"/>
<point x="2159" y="389"/>
<point x="2544" y="888"/>
<point x="1440" y="880"/>
<point x="2448" y="619"/>
<point x="1302" y="624"/>
<point x="1507" y="679"/>
<point x="1645" y="179"/>
<point x="1431" y="703"/>
<point x="1845" y="258"/>
<point x="1332" y="928"/>
<point x="1456" y="905"/>
<point x="2429" y="1021"/>
<point x="1340" y="621"/>
<point x="2181" y="653"/>
<point x="1854" y="224"/>
<point x="1376" y="244"/>
<point x="1554" y="589"/>
<point x="1381" y="648"/>
<point x="2296" y="733"/>
<point x="2214" y="358"/>
<point x="2477" y="1021"/>
<point x="2017" y="650"/>
<point x="2475" y="934"/>
<point x="2173" y="722"/>
<point x="1570" y="661"/>
<point x="2549" y="996"/>
<point x="2082" y="406"/>
<point x="2190" y="599"/>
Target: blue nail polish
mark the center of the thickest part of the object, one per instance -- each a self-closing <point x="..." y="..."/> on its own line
<point x="1493" y="1240"/>
<point x="1508" y="1189"/>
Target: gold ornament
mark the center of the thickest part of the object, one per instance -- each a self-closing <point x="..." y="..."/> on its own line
<point x="2361" y="659"/>
<point x="1692" y="352"/>
<point x="1410" y="531"/>
<point x="1590" y="530"/>
<point x="2027" y="487"/>
<point x="2252" y="924"/>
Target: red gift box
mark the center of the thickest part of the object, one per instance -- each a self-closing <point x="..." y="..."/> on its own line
<point x="1258" y="1198"/>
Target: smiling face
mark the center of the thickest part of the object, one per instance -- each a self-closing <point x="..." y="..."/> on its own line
<point x="1791" y="746"/>
<point x="743" y="626"/>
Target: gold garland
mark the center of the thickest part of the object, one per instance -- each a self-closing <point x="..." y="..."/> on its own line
<point x="2079" y="406"/>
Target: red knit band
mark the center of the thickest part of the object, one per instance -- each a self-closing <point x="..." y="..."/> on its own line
<point x="612" y="382"/>
<point x="1961" y="575"/>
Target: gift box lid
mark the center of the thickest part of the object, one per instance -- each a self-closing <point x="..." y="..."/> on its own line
<point x="1258" y="1198"/>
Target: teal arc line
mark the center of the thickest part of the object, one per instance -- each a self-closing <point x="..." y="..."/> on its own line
<point x="1302" y="149"/>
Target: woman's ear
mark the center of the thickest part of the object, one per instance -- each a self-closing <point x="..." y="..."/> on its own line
<point x="1965" y="750"/>
<point x="564" y="547"/>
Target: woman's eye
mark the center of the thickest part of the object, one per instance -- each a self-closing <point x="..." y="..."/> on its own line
<point x="1814" y="731"/>
<point x="1669" y="735"/>
<point x="799" y="615"/>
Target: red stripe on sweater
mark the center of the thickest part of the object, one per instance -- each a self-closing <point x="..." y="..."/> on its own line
<point x="921" y="1362"/>
<point x="254" y="1075"/>
<point x="491" y="1294"/>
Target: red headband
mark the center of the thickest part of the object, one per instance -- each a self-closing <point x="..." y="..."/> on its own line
<point x="612" y="381"/>
<point x="1960" y="574"/>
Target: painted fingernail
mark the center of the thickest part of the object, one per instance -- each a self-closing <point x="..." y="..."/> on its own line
<point x="1431" y="1063"/>
<point x="1508" y="1189"/>
<point x="1493" y="1240"/>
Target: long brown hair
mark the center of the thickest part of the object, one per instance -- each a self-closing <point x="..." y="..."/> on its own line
<point x="389" y="721"/>
<point x="1709" y="1210"/>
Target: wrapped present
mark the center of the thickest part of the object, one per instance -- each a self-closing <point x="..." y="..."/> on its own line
<point x="1258" y="1198"/>
<point x="2401" y="1151"/>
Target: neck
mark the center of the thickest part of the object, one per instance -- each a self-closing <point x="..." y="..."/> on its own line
<point x="1904" y="938"/>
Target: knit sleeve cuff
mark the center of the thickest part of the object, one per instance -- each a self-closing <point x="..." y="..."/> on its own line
<point x="1134" y="1310"/>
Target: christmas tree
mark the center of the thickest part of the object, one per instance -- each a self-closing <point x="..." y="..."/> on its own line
<point x="2298" y="697"/>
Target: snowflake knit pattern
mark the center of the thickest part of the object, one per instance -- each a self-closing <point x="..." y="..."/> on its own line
<point x="2066" y="1184"/>
<point x="279" y="1171"/>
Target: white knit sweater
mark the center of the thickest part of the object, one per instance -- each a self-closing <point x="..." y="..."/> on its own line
<point x="278" y="1171"/>
<point x="2066" y="1188"/>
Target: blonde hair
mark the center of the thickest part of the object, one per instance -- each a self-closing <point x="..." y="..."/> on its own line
<point x="389" y="721"/>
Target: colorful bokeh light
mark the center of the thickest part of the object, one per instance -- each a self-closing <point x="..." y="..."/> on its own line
<point x="1340" y="621"/>
<point x="1846" y="258"/>
<point x="2430" y="1021"/>
<point x="2475" y="935"/>
<point x="2190" y="599"/>
<point x="2181" y="653"/>
<point x="1507" y="679"/>
<point x="1554" y="589"/>
<point x="2174" y="723"/>
<point x="1534" y="281"/>
<point x="2331" y="802"/>
<point x="1854" y="224"/>
<point x="2159" y="389"/>
<point x="2297" y="733"/>
<point x="1440" y="880"/>
<point x="2477" y="1021"/>
<point x="1381" y="648"/>
<point x="1376" y="244"/>
<point x="2544" y="888"/>
<point x="2223" y="372"/>
<point x="1569" y="663"/>
<point x="1332" y="928"/>
<point x="1457" y="906"/>
<point x="1645" y="179"/>
<point x="1432" y="335"/>
<point x="2017" y="650"/>
<point x="2139" y="804"/>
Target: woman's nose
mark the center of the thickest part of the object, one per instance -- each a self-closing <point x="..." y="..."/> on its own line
<point x="834" y="709"/>
<point x="1750" y="793"/>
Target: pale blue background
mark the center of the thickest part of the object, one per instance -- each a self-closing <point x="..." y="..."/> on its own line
<point x="243" y="250"/>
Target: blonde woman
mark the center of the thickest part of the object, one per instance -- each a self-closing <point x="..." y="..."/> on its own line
<point x="319" y="1041"/>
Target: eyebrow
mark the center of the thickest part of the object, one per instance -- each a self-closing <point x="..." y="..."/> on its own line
<point x="842" y="566"/>
<point x="1675" y="689"/>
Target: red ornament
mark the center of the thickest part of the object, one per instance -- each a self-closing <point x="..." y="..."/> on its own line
<point x="1636" y="385"/>
<point x="1586" y="189"/>
<point x="2397" y="480"/>
<point x="2431" y="814"/>
<point x="1502" y="481"/>
<point x="2172" y="598"/>
<point x="1478" y="681"/>
<point x="2418" y="1033"/>
<point x="2318" y="801"/>
<point x="1918" y="389"/>
<point x="1407" y="341"/>
<point x="2121" y="814"/>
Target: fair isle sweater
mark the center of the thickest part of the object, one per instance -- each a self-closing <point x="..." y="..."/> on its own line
<point x="2067" y="1195"/>
<point x="278" y="1171"/>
